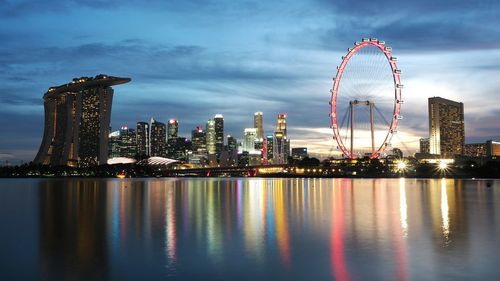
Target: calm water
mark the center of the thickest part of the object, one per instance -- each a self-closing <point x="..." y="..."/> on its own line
<point x="249" y="229"/>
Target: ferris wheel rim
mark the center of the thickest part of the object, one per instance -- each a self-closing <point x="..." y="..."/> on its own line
<point x="396" y="73"/>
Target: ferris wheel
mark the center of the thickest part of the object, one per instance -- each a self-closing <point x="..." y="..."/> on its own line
<point x="365" y="104"/>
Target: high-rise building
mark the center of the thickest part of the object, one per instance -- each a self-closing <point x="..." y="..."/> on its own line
<point x="198" y="139"/>
<point x="249" y="140"/>
<point x="77" y="119"/>
<point x="281" y="124"/>
<point x="172" y="139"/>
<point x="219" y="134"/>
<point x="446" y="127"/>
<point x="424" y="145"/>
<point x="232" y="143"/>
<point x="279" y="148"/>
<point x="269" y="144"/>
<point x="258" y="124"/>
<point x="180" y="148"/>
<point x="210" y="136"/>
<point x="123" y="144"/>
<point x="158" y="137"/>
<point x="142" y="139"/>
<point x="173" y="129"/>
<point x="281" y="143"/>
<point x="114" y="144"/>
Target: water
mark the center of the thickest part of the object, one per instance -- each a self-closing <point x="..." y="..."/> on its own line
<point x="249" y="229"/>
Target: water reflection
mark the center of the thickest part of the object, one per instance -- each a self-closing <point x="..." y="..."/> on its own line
<point x="246" y="229"/>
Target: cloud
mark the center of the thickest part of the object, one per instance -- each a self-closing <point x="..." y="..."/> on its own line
<point x="414" y="25"/>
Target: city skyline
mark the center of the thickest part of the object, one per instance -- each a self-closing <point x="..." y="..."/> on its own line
<point x="227" y="59"/>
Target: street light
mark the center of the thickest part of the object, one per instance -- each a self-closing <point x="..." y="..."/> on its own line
<point x="401" y="166"/>
<point x="443" y="165"/>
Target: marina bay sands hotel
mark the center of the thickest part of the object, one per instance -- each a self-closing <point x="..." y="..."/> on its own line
<point x="77" y="119"/>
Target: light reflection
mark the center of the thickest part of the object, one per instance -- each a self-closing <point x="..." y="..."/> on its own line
<point x="445" y="211"/>
<point x="282" y="234"/>
<point x="265" y="222"/>
<point x="339" y="266"/>
<point x="403" y="208"/>
<point x="171" y="225"/>
<point x="253" y="227"/>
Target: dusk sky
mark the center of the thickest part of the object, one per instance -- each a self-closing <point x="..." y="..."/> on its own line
<point x="191" y="59"/>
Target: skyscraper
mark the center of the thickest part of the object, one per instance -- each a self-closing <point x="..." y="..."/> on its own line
<point x="258" y="124"/>
<point x="77" y="119"/>
<point x="122" y="143"/>
<point x="173" y="129"/>
<point x="172" y="139"/>
<point x="210" y="136"/>
<point x="281" y="123"/>
<point x="142" y="139"/>
<point x="269" y="144"/>
<point x="249" y="140"/>
<point x="198" y="139"/>
<point x="281" y="143"/>
<point x="446" y="127"/>
<point x="219" y="134"/>
<point x="279" y="148"/>
<point x="158" y="136"/>
<point x="232" y="143"/>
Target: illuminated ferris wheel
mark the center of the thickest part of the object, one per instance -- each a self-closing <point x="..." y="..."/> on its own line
<point x="366" y="100"/>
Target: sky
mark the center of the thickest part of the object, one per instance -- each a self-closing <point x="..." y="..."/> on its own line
<point x="192" y="59"/>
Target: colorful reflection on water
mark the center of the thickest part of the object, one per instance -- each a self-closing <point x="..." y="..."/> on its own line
<point x="250" y="229"/>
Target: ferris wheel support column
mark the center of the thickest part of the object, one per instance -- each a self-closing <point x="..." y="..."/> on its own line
<point x="371" y="104"/>
<point x="351" y="104"/>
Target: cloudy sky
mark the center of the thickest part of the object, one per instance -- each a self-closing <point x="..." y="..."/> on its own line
<point x="191" y="59"/>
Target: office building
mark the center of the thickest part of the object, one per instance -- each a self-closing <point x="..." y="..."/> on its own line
<point x="424" y="145"/>
<point x="122" y="143"/>
<point x="142" y="139"/>
<point x="77" y="119"/>
<point x="269" y="144"/>
<point x="219" y="134"/>
<point x="113" y="144"/>
<point x="210" y="138"/>
<point x="232" y="143"/>
<point x="181" y="146"/>
<point x="281" y="143"/>
<point x="249" y="140"/>
<point x="281" y="123"/>
<point x="258" y="124"/>
<point x="279" y="148"/>
<point x="173" y="129"/>
<point x="198" y="140"/>
<point x="172" y="135"/>
<point x="158" y="137"/>
<point x="446" y="127"/>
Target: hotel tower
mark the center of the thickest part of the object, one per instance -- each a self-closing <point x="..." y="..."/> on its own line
<point x="77" y="120"/>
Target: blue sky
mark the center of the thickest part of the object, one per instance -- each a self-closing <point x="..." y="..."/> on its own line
<point x="192" y="59"/>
